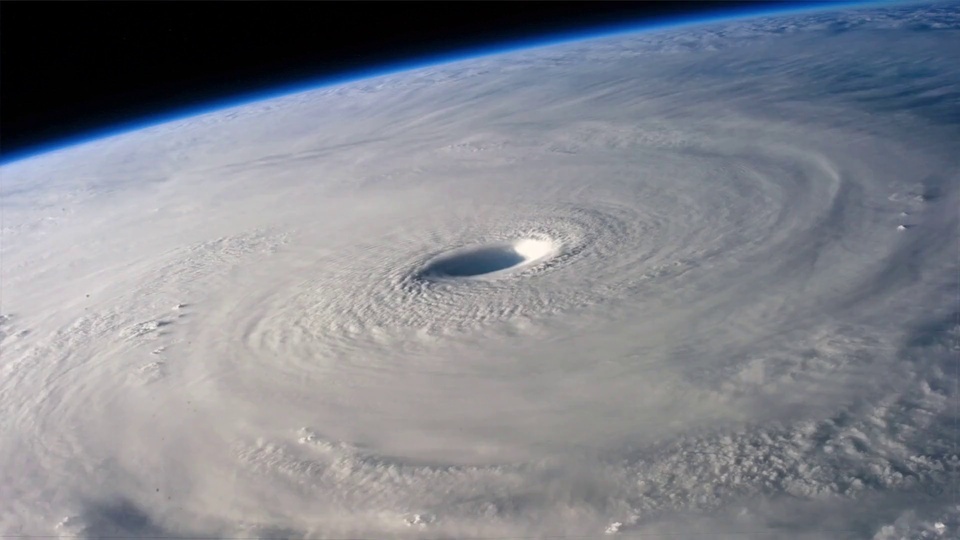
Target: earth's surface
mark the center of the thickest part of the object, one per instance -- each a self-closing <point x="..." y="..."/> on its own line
<point x="693" y="282"/>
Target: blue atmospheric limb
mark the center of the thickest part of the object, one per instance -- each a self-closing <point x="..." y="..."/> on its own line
<point x="434" y="60"/>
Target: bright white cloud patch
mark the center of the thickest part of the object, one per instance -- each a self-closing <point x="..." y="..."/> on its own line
<point x="690" y="282"/>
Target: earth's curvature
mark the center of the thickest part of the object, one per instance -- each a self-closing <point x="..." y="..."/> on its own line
<point x="689" y="282"/>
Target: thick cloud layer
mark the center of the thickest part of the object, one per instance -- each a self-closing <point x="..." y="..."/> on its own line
<point x="686" y="282"/>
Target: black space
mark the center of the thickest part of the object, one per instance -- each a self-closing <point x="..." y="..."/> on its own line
<point x="74" y="68"/>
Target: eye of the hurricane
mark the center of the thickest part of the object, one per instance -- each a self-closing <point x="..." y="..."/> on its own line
<point x="490" y="259"/>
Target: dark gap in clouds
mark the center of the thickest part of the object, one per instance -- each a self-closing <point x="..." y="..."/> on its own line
<point x="120" y="517"/>
<point x="933" y="332"/>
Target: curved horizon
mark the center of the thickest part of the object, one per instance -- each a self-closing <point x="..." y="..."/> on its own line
<point x="434" y="60"/>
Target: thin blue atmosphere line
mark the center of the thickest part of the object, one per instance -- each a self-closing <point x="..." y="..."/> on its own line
<point x="435" y="60"/>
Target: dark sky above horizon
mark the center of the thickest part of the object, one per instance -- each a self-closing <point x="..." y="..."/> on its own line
<point x="71" y="70"/>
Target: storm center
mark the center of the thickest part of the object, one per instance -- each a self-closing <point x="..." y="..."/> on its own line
<point x="490" y="259"/>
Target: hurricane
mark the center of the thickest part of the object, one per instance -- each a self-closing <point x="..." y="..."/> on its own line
<point x="687" y="281"/>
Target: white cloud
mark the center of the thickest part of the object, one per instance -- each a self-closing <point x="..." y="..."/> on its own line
<point x="222" y="325"/>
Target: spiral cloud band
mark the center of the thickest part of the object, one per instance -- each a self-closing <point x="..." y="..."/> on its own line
<point x="678" y="282"/>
